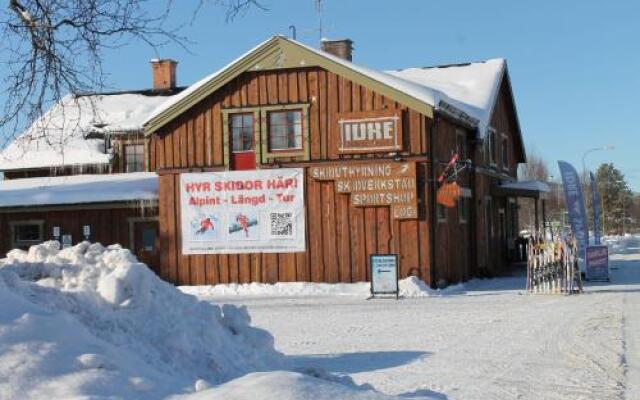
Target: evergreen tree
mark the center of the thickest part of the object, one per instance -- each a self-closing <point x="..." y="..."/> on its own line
<point x="616" y="198"/>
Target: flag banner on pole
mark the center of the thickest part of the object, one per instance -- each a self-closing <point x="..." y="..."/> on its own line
<point x="575" y="205"/>
<point x="595" y="201"/>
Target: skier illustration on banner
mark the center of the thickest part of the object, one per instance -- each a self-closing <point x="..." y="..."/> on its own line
<point x="245" y="226"/>
<point x="244" y="223"/>
<point x="205" y="227"/>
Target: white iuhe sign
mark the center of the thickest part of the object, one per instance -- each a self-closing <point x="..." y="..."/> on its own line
<point x="243" y="211"/>
<point x="369" y="134"/>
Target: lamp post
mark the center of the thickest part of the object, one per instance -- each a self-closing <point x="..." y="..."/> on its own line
<point x="584" y="155"/>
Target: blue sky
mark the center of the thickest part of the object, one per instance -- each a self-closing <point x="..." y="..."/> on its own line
<point x="575" y="65"/>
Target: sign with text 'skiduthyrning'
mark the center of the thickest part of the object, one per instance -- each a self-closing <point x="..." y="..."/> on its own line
<point x="234" y="212"/>
<point x="375" y="183"/>
<point x="370" y="132"/>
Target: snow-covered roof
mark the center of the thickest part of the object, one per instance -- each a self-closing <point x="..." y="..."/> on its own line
<point x="537" y="186"/>
<point x="59" y="138"/>
<point x="79" y="189"/>
<point x="470" y="90"/>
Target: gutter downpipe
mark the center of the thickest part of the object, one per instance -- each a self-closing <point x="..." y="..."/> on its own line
<point x="434" y="190"/>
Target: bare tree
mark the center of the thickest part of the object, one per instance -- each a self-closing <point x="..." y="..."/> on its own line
<point x="53" y="47"/>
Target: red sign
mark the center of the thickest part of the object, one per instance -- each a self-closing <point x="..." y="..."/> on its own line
<point x="448" y="194"/>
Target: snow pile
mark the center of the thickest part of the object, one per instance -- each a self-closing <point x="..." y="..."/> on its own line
<point x="90" y="320"/>
<point x="409" y="287"/>
<point x="283" y="385"/>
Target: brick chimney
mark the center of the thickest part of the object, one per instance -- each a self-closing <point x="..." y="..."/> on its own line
<point x="342" y="48"/>
<point x="164" y="74"/>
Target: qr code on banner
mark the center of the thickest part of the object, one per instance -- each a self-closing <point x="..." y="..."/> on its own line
<point x="281" y="224"/>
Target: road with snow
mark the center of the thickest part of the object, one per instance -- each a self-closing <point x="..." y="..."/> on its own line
<point x="490" y="341"/>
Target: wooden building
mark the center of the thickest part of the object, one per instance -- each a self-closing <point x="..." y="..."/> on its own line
<point x="285" y="106"/>
<point x="283" y="78"/>
<point x="78" y="173"/>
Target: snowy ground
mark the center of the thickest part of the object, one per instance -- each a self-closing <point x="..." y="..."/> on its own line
<point x="92" y="322"/>
<point x="488" y="340"/>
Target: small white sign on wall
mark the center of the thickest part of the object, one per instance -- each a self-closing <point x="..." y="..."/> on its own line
<point x="56" y="232"/>
<point x="67" y="241"/>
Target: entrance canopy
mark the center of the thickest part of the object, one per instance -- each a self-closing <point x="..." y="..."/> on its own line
<point x="532" y="189"/>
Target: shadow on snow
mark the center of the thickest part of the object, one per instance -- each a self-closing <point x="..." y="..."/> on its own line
<point x="349" y="363"/>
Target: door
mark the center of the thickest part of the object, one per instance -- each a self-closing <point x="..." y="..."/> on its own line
<point x="145" y="243"/>
<point x="243" y="150"/>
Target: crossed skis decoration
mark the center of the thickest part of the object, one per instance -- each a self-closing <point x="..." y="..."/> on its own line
<point x="452" y="169"/>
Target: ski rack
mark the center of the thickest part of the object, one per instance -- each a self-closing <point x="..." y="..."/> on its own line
<point x="552" y="266"/>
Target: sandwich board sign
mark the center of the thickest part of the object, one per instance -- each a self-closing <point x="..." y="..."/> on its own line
<point x="597" y="263"/>
<point x="384" y="275"/>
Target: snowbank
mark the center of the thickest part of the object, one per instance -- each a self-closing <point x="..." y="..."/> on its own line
<point x="93" y="321"/>
<point x="621" y="244"/>
<point x="284" y="386"/>
<point x="409" y="287"/>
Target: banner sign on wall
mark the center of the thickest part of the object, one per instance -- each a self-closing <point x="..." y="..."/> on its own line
<point x="595" y="201"/>
<point x="384" y="274"/>
<point x="597" y="263"/>
<point x="230" y="212"/>
<point x="575" y="205"/>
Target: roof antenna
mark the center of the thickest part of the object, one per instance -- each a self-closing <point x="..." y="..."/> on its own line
<point x="292" y="28"/>
<point x="319" y="11"/>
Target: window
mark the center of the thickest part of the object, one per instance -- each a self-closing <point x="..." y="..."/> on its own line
<point x="134" y="157"/>
<point x="285" y="130"/>
<point x="493" y="154"/>
<point x="463" y="210"/>
<point x="149" y="239"/>
<point x="461" y="145"/>
<point x="441" y="213"/>
<point x="242" y="127"/>
<point x="505" y="152"/>
<point x="26" y="233"/>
